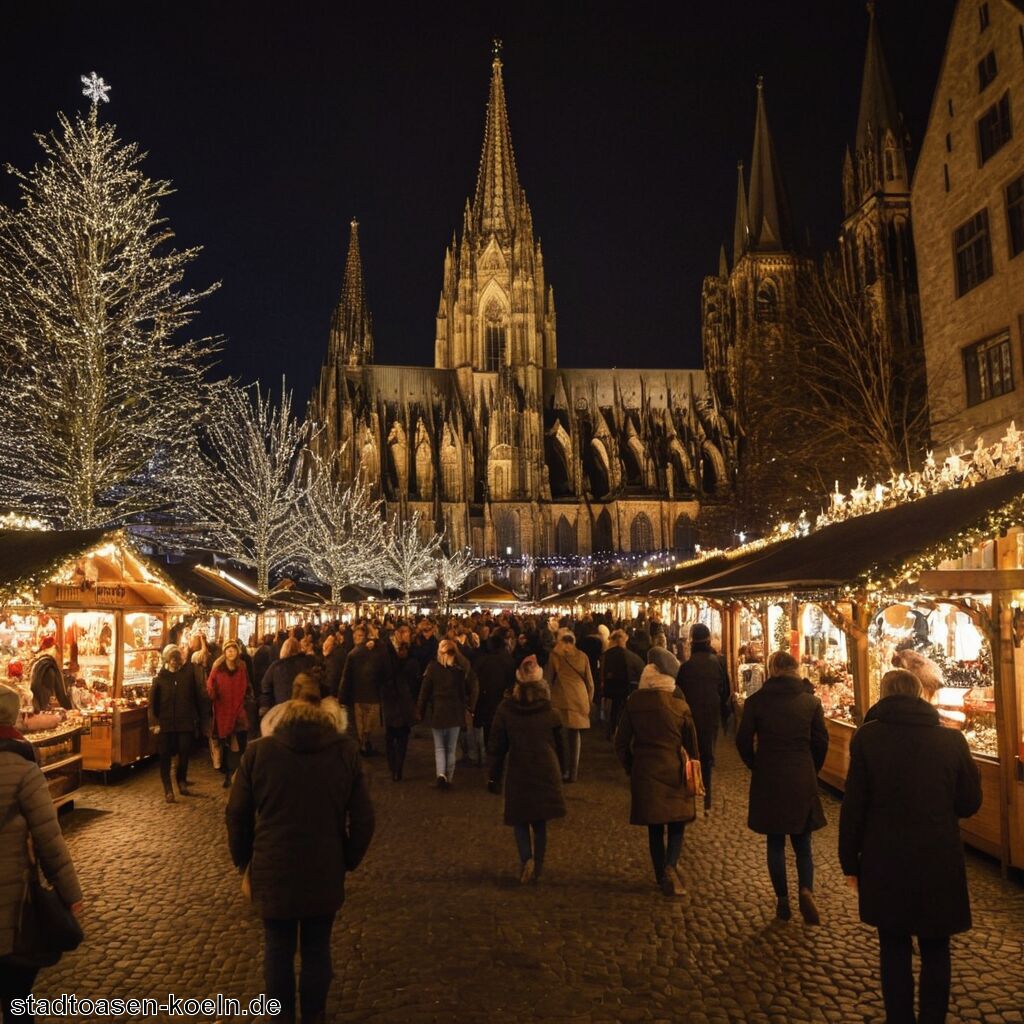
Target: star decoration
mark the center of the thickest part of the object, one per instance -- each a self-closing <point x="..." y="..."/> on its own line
<point x="95" y="88"/>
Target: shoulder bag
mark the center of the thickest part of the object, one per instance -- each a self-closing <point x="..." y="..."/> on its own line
<point x="45" y="927"/>
<point x="693" y="775"/>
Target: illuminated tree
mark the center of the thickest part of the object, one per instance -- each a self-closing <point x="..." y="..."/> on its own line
<point x="450" y="572"/>
<point x="96" y="385"/>
<point x="344" y="532"/>
<point x="411" y="559"/>
<point x="246" y="493"/>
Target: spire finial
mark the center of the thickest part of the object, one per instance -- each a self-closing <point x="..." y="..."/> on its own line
<point x="496" y="50"/>
<point x="871" y="7"/>
<point x="760" y="83"/>
<point x="353" y="223"/>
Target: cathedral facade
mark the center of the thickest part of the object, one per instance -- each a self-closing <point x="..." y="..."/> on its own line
<point x="497" y="445"/>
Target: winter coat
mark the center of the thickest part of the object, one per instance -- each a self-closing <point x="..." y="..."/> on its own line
<point x="334" y="668"/>
<point x="789" y="726"/>
<point x="228" y="691"/>
<point x="361" y="678"/>
<point x="705" y="685"/>
<point x="27" y="807"/>
<point x="400" y="682"/>
<point x="200" y="663"/>
<point x="910" y="781"/>
<point x="276" y="685"/>
<point x="261" y="661"/>
<point x="328" y="705"/>
<point x="654" y="724"/>
<point x="640" y="643"/>
<point x="525" y="745"/>
<point x="447" y="694"/>
<point x="174" y="702"/>
<point x="620" y="671"/>
<point x="572" y="686"/>
<point x="424" y="650"/>
<point x="496" y="676"/>
<point x="590" y="644"/>
<point x="299" y="815"/>
<point x="48" y="681"/>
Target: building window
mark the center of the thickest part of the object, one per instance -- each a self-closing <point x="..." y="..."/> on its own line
<point x="641" y="534"/>
<point x="988" y="367"/>
<point x="994" y="128"/>
<point x="982" y="17"/>
<point x="767" y="302"/>
<point x="494" y="347"/>
<point x="973" y="251"/>
<point x="986" y="70"/>
<point x="1015" y="215"/>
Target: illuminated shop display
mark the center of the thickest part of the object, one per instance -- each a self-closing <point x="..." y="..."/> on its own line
<point x="825" y="661"/>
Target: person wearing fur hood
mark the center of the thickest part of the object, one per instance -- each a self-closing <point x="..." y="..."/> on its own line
<point x="568" y="675"/>
<point x="314" y="823"/>
<point x="655" y="723"/>
<point x="525" y="745"/>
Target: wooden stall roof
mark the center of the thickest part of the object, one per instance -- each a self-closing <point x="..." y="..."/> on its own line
<point x="487" y="593"/>
<point x="209" y="588"/>
<point x="609" y="584"/>
<point x="860" y="548"/>
<point x="27" y="556"/>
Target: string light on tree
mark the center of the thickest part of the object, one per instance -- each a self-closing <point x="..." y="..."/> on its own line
<point x="99" y="390"/>
<point x="411" y="556"/>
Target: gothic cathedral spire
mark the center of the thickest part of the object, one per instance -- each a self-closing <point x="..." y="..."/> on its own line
<point x="498" y="194"/>
<point x="741" y="227"/>
<point x="351" y="341"/>
<point x="770" y="228"/>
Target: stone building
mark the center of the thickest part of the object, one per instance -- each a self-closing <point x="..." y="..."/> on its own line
<point x="496" y="444"/>
<point x="968" y="207"/>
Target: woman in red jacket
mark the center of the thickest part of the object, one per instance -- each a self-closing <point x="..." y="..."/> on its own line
<point x="228" y="686"/>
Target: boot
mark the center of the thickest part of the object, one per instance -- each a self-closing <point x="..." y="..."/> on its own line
<point x="808" y="908"/>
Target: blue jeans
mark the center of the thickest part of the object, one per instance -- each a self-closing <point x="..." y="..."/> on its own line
<point x="540" y="843"/>
<point x="777" y="862"/>
<point x="446" y="743"/>
<point x="665" y="853"/>
<point x="280" y="937"/>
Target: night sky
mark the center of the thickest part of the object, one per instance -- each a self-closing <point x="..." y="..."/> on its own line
<point x="278" y="123"/>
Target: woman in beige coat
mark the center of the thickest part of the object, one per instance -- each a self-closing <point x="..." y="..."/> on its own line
<point x="568" y="676"/>
<point x="26" y="809"/>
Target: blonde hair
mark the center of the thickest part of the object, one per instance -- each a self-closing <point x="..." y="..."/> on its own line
<point x="900" y="682"/>
<point x="306" y="688"/>
<point x="290" y="647"/>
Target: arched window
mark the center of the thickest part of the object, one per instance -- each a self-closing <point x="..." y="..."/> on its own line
<point x="683" y="535"/>
<point x="506" y="534"/>
<point x="495" y="335"/>
<point x="565" y="537"/>
<point x="767" y="302"/>
<point x="603" y="532"/>
<point x="641" y="533"/>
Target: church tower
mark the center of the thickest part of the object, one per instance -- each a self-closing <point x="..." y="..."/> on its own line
<point x="877" y="239"/>
<point x="495" y="310"/>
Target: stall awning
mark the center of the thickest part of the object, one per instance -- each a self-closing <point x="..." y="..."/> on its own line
<point x="28" y="558"/>
<point x="609" y="584"/>
<point x="873" y="547"/>
<point x="487" y="593"/>
<point x="210" y="588"/>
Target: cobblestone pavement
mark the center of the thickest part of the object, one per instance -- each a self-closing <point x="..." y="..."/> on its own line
<point x="437" y="928"/>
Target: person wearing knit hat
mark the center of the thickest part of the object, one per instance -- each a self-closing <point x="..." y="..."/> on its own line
<point x="10" y="706"/>
<point x="526" y="747"/>
<point x="174" y="708"/>
<point x="704" y="682"/>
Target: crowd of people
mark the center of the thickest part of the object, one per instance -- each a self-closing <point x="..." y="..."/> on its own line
<point x="513" y="695"/>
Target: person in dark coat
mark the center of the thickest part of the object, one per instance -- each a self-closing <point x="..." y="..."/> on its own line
<point x="783" y="740"/>
<point x="526" y="747"/>
<point x="640" y="643"/>
<point x="174" y="709"/>
<point x="654" y="725"/>
<point x="704" y="682"/>
<point x="276" y="685"/>
<point x="263" y="657"/>
<point x="448" y="694"/>
<point x="496" y="676"/>
<point x="620" y="673"/>
<point x="360" y="687"/>
<point x="314" y="823"/>
<point x="334" y="665"/>
<point x="910" y="781"/>
<point x="399" y="683"/>
<point x="47" y="680"/>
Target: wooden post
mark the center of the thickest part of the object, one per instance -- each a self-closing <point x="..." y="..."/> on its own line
<point x="860" y="660"/>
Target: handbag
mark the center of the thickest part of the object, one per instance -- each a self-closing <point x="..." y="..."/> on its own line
<point x="693" y="774"/>
<point x="45" y="928"/>
<point x="247" y="882"/>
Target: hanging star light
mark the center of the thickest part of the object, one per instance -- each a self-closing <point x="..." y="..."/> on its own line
<point x="95" y="88"/>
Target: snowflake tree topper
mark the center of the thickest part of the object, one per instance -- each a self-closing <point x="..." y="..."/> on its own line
<point x="95" y="88"/>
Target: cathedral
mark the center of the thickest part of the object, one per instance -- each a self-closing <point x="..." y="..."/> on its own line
<point x="750" y="305"/>
<point x="506" y="452"/>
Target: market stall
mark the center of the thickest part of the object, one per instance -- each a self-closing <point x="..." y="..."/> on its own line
<point x="93" y="604"/>
<point x="934" y="585"/>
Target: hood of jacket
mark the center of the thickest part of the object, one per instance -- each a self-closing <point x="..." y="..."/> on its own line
<point x="652" y="679"/>
<point x="305" y="728"/>
<point x="529" y="697"/>
<point x="785" y="684"/>
<point x="903" y="710"/>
